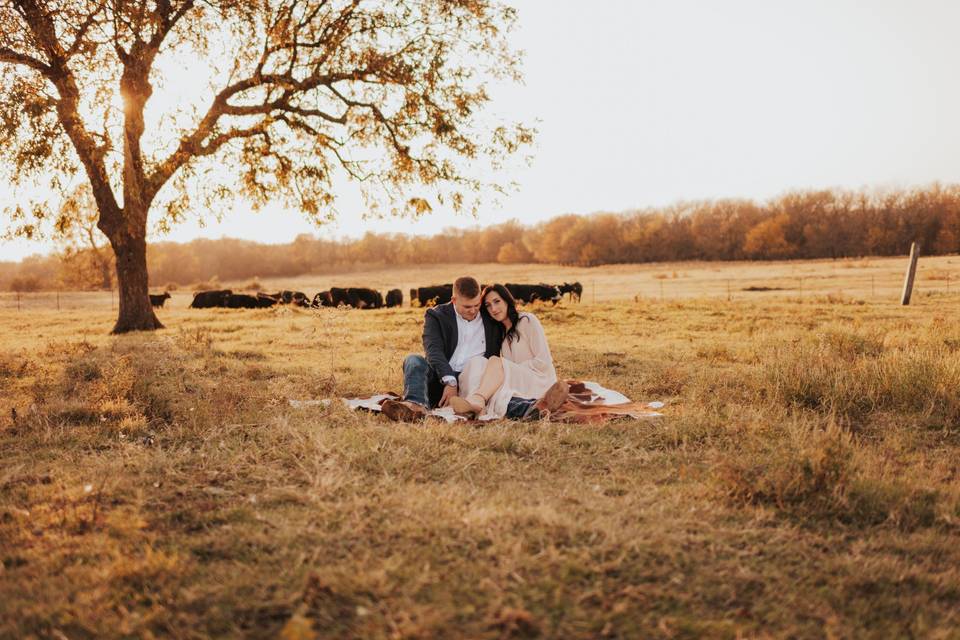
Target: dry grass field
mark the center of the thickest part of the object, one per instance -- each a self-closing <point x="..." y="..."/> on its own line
<point x="803" y="482"/>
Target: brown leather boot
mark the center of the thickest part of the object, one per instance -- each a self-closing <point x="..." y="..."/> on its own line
<point x="554" y="398"/>
<point x="403" y="410"/>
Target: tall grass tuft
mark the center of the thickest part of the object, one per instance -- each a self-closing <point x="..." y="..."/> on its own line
<point x="853" y="375"/>
<point x="800" y="467"/>
<point x="817" y="471"/>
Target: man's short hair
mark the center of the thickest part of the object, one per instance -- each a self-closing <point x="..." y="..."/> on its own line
<point x="466" y="287"/>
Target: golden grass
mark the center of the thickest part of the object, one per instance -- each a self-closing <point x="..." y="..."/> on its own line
<point x="802" y="484"/>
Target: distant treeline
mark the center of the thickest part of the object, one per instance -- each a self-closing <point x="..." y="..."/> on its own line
<point x="811" y="224"/>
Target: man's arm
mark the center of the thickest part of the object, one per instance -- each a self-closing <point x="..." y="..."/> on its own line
<point x="433" y="346"/>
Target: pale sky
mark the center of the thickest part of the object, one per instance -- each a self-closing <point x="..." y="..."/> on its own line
<point x="648" y="102"/>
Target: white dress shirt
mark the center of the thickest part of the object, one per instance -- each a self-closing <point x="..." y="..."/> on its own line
<point x="471" y="342"/>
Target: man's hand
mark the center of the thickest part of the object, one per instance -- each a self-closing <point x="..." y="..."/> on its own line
<point x="448" y="392"/>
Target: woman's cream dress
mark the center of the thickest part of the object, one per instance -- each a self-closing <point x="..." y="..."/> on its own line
<point x="527" y="368"/>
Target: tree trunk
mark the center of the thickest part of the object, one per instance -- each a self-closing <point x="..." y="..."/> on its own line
<point x="136" y="312"/>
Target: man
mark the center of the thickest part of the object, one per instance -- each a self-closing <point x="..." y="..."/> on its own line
<point x="453" y="333"/>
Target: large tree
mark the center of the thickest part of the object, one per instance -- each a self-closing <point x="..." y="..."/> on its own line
<point x="298" y="93"/>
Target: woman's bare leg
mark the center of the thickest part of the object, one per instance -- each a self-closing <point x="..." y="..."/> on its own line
<point x="489" y="383"/>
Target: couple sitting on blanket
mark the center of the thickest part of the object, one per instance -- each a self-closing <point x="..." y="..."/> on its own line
<point x="483" y="358"/>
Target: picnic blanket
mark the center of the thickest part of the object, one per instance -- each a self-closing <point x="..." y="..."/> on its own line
<point x="589" y="402"/>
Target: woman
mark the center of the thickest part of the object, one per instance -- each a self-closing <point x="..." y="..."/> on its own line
<point x="523" y="370"/>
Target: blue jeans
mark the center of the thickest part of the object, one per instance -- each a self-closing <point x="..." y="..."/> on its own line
<point x="416" y="373"/>
<point x="521" y="409"/>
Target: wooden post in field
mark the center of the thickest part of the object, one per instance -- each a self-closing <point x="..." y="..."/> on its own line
<point x="58" y="300"/>
<point x="728" y="291"/>
<point x="911" y="274"/>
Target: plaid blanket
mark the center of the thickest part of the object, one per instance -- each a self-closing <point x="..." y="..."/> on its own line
<point x="589" y="402"/>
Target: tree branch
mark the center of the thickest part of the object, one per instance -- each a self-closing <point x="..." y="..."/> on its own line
<point x="214" y="144"/>
<point x="14" y="57"/>
<point x="168" y="20"/>
<point x="79" y="37"/>
<point x="42" y="29"/>
<point x="190" y="145"/>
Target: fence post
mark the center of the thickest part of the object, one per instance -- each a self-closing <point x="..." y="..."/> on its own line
<point x="728" y="291"/>
<point x="58" y="300"/>
<point x="910" y="275"/>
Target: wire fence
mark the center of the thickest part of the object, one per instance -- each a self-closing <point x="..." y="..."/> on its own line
<point x="58" y="300"/>
<point x="595" y="291"/>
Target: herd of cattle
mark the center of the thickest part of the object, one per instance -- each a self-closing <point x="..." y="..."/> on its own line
<point x="363" y="298"/>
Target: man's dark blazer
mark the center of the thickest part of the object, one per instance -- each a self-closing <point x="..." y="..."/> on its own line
<point x="440" y="341"/>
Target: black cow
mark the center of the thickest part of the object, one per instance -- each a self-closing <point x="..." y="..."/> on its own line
<point x="322" y="299"/>
<point x="298" y="298"/>
<point x="394" y="298"/>
<point x="520" y="292"/>
<point x="363" y="298"/>
<point x="210" y="299"/>
<point x="549" y="293"/>
<point x="574" y="289"/>
<point x="438" y="294"/>
<point x="158" y="300"/>
<point x="242" y="301"/>
<point x="267" y="300"/>
<point x="290" y="297"/>
<point x="356" y="297"/>
<point x="528" y="293"/>
<point x="339" y="296"/>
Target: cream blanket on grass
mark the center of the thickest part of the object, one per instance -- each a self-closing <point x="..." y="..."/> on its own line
<point x="588" y="402"/>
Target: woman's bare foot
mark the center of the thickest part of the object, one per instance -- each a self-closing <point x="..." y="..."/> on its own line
<point x="473" y="403"/>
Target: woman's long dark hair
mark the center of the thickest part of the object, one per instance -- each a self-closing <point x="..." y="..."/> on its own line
<point x="512" y="312"/>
